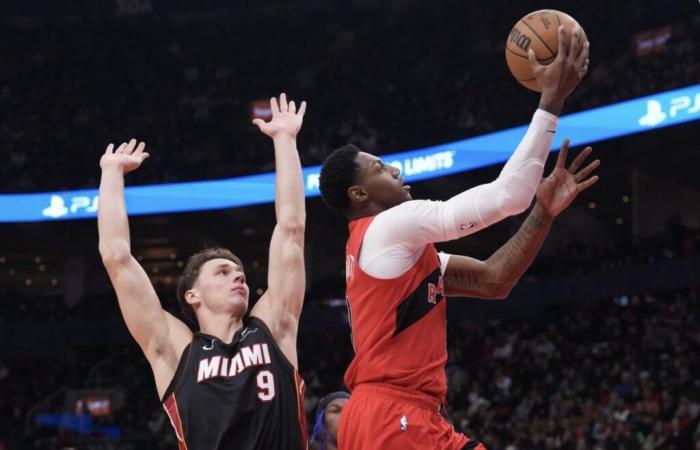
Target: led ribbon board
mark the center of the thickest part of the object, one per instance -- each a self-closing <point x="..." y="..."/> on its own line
<point x="620" y="119"/>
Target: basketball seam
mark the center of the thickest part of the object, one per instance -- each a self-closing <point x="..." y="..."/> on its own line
<point x="538" y="37"/>
<point x="541" y="61"/>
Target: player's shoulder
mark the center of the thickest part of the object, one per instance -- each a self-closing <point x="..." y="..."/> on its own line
<point x="405" y="211"/>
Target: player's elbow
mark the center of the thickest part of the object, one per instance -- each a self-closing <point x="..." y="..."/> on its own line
<point x="114" y="254"/>
<point x="500" y="292"/>
<point x="515" y="196"/>
<point x="292" y="225"/>
<point x="515" y="201"/>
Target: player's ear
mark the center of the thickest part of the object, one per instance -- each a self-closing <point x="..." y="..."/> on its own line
<point x="191" y="297"/>
<point x="357" y="194"/>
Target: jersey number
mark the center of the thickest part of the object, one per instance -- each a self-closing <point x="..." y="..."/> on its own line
<point x="266" y="383"/>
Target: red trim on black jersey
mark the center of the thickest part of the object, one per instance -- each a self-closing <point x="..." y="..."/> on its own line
<point x="170" y="406"/>
<point x="301" y="390"/>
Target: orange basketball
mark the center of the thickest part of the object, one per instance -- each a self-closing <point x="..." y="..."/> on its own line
<point x="537" y="30"/>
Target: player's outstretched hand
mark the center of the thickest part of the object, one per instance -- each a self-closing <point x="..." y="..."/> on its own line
<point x="286" y="120"/>
<point x="559" y="79"/>
<point x="556" y="192"/>
<point x="126" y="157"/>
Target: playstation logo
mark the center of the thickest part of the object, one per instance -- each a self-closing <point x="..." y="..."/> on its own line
<point x="654" y="115"/>
<point x="677" y="107"/>
<point x="57" y="208"/>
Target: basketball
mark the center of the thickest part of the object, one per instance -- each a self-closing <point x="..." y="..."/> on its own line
<point x="537" y="30"/>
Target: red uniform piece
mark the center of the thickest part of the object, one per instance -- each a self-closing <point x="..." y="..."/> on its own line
<point x="397" y="377"/>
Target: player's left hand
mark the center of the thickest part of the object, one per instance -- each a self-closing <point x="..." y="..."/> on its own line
<point x="286" y="120"/>
<point x="556" y="192"/>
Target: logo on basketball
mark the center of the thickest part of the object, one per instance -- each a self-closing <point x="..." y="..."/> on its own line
<point x="521" y="40"/>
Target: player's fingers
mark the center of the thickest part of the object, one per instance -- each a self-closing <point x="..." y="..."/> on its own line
<point x="259" y="123"/>
<point x="583" y="56"/>
<point x="532" y="57"/>
<point x="130" y="147"/>
<point x="292" y="107"/>
<point x="579" y="42"/>
<point x="110" y="149"/>
<point x="283" y="102"/>
<point x="302" y="109"/>
<point x="563" y="47"/>
<point x="575" y="43"/>
<point x="563" y="152"/>
<point x="121" y="148"/>
<point x="588" y="183"/>
<point x="140" y="148"/>
<point x="144" y="156"/>
<point x="583" y="70"/>
<point x="583" y="173"/>
<point x="576" y="163"/>
<point x="274" y="107"/>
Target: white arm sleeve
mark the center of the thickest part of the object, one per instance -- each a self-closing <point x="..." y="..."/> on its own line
<point x="397" y="237"/>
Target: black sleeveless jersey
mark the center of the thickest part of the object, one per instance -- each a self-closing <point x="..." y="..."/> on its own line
<point x="240" y="396"/>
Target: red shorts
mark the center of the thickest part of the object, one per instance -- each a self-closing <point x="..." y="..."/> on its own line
<point x="380" y="416"/>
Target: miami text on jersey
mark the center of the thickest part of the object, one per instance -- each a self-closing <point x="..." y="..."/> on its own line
<point x="219" y="366"/>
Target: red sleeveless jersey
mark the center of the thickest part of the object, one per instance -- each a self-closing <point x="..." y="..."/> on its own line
<point x="398" y="326"/>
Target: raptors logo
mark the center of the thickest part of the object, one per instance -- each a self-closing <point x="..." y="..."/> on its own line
<point x="434" y="291"/>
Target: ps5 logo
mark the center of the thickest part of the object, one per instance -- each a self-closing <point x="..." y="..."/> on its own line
<point x="57" y="206"/>
<point x="655" y="111"/>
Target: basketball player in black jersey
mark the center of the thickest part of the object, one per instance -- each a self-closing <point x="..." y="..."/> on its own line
<point x="232" y="385"/>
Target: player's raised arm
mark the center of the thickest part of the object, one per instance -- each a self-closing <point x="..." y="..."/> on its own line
<point x="495" y="277"/>
<point x="160" y="335"/>
<point x="415" y="224"/>
<point x="280" y="307"/>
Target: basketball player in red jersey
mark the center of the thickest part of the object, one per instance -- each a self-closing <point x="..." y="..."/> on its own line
<point x="232" y="385"/>
<point x="397" y="281"/>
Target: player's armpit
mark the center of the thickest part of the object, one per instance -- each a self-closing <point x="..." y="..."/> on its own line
<point x="469" y="277"/>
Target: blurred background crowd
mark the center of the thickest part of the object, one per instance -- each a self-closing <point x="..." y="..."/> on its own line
<point x="597" y="348"/>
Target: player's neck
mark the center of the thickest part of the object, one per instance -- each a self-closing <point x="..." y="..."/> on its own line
<point x="222" y="326"/>
<point x="369" y="210"/>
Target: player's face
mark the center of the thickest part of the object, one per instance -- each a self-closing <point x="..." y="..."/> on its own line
<point x="333" y="410"/>
<point x="221" y="287"/>
<point x="382" y="182"/>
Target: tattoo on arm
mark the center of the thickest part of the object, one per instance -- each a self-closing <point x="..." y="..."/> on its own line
<point x="504" y="268"/>
<point x="463" y="278"/>
<point x="517" y="254"/>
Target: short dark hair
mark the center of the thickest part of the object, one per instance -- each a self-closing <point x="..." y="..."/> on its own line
<point x="191" y="273"/>
<point x="338" y="173"/>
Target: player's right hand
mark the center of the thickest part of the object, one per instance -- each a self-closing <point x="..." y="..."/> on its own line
<point x="559" y="79"/>
<point x="286" y="120"/>
<point x="126" y="157"/>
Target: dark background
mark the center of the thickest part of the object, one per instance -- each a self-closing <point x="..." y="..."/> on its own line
<point x="596" y="348"/>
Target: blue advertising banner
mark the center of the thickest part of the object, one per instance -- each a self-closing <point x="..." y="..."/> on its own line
<point x="585" y="127"/>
